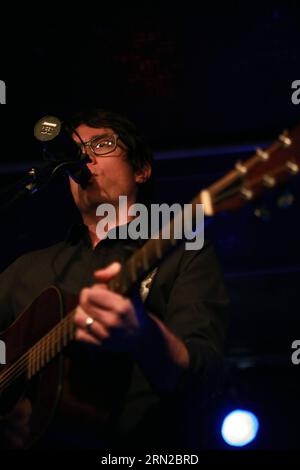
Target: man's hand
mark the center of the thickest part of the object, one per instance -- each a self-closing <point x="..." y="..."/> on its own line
<point x="115" y="322"/>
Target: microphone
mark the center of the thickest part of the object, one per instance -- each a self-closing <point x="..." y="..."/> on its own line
<point x="59" y="147"/>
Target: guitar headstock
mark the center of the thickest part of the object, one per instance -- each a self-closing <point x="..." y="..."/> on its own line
<point x="266" y="169"/>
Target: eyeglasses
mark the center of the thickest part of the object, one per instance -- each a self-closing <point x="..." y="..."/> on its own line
<point x="102" y="145"/>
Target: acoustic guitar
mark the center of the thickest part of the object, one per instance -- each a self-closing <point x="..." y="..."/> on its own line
<point x="43" y="362"/>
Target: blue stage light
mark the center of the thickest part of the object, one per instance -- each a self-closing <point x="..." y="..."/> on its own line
<point x="239" y="428"/>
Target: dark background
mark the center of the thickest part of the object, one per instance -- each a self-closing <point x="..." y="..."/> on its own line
<point x="206" y="84"/>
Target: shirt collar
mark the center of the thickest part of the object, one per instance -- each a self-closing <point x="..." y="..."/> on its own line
<point x="79" y="233"/>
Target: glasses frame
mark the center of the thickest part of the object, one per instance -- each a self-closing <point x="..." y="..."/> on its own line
<point x="96" y="137"/>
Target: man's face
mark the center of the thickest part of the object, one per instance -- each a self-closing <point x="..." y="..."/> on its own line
<point x="112" y="174"/>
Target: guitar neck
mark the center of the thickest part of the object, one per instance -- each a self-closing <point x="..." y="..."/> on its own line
<point x="249" y="179"/>
<point x="154" y="250"/>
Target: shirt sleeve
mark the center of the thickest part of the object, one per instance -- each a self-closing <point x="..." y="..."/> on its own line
<point x="197" y="311"/>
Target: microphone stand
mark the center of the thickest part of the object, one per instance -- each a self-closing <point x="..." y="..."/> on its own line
<point x="39" y="177"/>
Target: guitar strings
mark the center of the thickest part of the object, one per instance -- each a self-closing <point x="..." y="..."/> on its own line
<point x="45" y="349"/>
<point x="36" y="353"/>
<point x="31" y="356"/>
<point x="42" y="352"/>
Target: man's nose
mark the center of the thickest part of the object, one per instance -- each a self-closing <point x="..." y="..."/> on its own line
<point x="92" y="158"/>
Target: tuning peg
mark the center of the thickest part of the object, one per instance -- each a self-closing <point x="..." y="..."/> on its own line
<point x="285" y="139"/>
<point x="293" y="167"/>
<point x="241" y="168"/>
<point x="269" y="181"/>
<point x="262" y="154"/>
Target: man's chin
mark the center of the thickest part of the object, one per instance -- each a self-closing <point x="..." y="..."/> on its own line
<point x="92" y="197"/>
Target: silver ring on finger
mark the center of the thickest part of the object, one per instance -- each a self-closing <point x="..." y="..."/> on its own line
<point x="88" y="324"/>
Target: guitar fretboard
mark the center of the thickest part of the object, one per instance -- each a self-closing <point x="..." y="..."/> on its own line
<point x="153" y="251"/>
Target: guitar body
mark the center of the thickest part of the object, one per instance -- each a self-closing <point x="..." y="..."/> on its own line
<point x="44" y="389"/>
<point x="72" y="396"/>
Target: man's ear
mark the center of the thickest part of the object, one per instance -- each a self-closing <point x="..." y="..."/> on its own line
<point x="141" y="176"/>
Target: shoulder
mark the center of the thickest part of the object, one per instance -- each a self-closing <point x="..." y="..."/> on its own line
<point x="182" y="259"/>
<point x="186" y="268"/>
<point x="30" y="258"/>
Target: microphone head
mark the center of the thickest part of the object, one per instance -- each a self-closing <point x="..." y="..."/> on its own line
<point x="59" y="146"/>
<point x="47" y="128"/>
<point x="56" y="140"/>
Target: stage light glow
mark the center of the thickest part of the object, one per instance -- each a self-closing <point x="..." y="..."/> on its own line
<point x="239" y="428"/>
